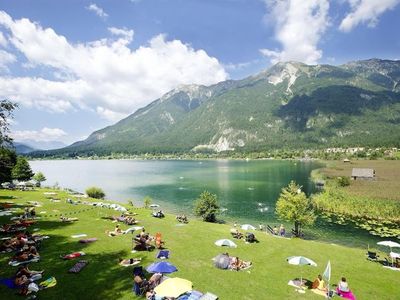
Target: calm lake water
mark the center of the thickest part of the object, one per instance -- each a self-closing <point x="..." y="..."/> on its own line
<point x="247" y="190"/>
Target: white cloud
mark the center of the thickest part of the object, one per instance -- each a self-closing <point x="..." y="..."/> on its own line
<point x="365" y="11"/>
<point x="299" y="26"/>
<point x="3" y="40"/>
<point x="104" y="75"/>
<point x="97" y="10"/>
<point x="5" y="59"/>
<point x="43" y="135"/>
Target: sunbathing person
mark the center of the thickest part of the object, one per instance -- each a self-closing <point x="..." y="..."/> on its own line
<point x="23" y="270"/>
<point x="319" y="284"/>
<point x="65" y="219"/>
<point x="129" y="261"/>
<point x="117" y="231"/>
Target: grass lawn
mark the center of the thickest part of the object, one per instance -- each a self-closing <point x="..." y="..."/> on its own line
<point x="192" y="248"/>
<point x="386" y="185"/>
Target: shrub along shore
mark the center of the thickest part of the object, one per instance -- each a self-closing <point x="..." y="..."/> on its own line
<point x="192" y="248"/>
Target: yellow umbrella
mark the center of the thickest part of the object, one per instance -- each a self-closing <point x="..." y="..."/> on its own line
<point x="173" y="287"/>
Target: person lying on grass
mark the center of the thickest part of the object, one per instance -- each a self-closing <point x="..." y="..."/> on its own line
<point x="129" y="261"/>
<point x="65" y="219"/>
<point x="237" y="264"/>
<point x="26" y="253"/>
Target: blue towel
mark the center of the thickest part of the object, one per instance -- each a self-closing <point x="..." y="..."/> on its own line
<point x="9" y="282"/>
<point x="163" y="254"/>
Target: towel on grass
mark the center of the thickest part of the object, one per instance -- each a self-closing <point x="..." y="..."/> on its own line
<point x="78" y="235"/>
<point x="73" y="255"/>
<point x="48" y="283"/>
<point x="78" y="266"/>
<point x="86" y="241"/>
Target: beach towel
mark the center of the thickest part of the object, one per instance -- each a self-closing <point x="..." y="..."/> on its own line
<point x="78" y="235"/>
<point x="195" y="295"/>
<point x="73" y="255"/>
<point x="15" y="263"/>
<point x="163" y="254"/>
<point x="347" y="295"/>
<point x="48" y="283"/>
<point x="209" y="296"/>
<point x="86" y="241"/>
<point x="9" y="282"/>
<point x="78" y="266"/>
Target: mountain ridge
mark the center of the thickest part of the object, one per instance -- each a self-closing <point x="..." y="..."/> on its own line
<point x="289" y="105"/>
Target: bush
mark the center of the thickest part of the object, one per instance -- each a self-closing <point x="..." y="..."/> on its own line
<point x="207" y="207"/>
<point x="147" y="201"/>
<point x="343" y="181"/>
<point x="95" y="192"/>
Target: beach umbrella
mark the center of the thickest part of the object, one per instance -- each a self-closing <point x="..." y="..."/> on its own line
<point x="327" y="274"/>
<point x="300" y="261"/>
<point x="391" y="245"/>
<point x="161" y="267"/>
<point x="225" y="242"/>
<point x="173" y="287"/>
<point x="221" y="261"/>
<point x="133" y="228"/>
<point x="248" y="227"/>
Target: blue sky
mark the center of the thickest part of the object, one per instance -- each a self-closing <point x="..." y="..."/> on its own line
<point x="77" y="66"/>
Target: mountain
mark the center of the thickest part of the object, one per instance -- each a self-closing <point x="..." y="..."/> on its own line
<point x="290" y="105"/>
<point x="43" y="145"/>
<point x="21" y="148"/>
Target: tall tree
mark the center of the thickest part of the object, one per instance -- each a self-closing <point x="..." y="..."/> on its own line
<point x="6" y="109"/>
<point x="22" y="170"/>
<point x="207" y="206"/>
<point x="8" y="158"/>
<point x="294" y="206"/>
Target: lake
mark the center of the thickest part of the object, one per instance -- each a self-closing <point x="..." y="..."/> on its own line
<point x="246" y="190"/>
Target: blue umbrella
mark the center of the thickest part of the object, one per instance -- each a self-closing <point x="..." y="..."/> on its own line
<point x="161" y="267"/>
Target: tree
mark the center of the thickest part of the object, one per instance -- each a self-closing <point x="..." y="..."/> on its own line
<point x="8" y="159"/>
<point x="294" y="206"/>
<point x="147" y="201"/>
<point x="6" y="109"/>
<point x="22" y="170"/>
<point x="95" y="192"/>
<point x="206" y="206"/>
<point x="39" y="178"/>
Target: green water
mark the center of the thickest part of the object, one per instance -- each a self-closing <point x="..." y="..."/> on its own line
<point x="247" y="190"/>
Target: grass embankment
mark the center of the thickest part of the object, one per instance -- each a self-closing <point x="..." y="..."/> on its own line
<point x="386" y="185"/>
<point x="192" y="247"/>
<point x="373" y="205"/>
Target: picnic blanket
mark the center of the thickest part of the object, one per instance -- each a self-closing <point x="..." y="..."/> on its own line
<point x="86" y="241"/>
<point x="78" y="266"/>
<point x="73" y="255"/>
<point x="347" y="295"/>
<point x="9" y="282"/>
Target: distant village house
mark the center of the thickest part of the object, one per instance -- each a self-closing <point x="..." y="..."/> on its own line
<point x="362" y="173"/>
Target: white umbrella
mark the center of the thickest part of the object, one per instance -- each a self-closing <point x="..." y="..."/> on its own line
<point x="225" y="242"/>
<point x="300" y="261"/>
<point x="248" y="227"/>
<point x="391" y="245"/>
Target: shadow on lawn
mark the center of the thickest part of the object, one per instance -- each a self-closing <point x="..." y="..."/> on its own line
<point x="102" y="278"/>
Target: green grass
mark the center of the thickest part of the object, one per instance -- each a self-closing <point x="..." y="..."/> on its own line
<point x="192" y="248"/>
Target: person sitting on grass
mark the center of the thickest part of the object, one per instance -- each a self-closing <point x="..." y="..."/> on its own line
<point x="319" y="284"/>
<point x="117" y="231"/>
<point x="343" y="286"/>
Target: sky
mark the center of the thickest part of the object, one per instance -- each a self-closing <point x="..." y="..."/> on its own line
<point x="77" y="66"/>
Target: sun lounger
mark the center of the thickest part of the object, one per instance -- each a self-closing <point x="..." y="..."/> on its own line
<point x="372" y="256"/>
<point x="78" y="266"/>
